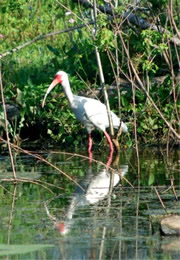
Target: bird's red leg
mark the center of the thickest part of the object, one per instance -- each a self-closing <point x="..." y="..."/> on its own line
<point x="89" y="147"/>
<point x="110" y="159"/>
<point x="89" y="143"/>
<point x="109" y="141"/>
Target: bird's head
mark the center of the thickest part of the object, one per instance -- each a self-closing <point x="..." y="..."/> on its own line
<point x="60" y="78"/>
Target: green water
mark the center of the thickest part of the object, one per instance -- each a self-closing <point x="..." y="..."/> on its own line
<point x="108" y="216"/>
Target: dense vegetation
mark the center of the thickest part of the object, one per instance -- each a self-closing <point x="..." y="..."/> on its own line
<point x="140" y="58"/>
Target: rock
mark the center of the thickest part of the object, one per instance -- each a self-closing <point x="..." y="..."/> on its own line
<point x="170" y="225"/>
<point x="12" y="111"/>
<point x="171" y="244"/>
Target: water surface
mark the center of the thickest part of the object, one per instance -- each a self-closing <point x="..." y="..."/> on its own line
<point x="108" y="216"/>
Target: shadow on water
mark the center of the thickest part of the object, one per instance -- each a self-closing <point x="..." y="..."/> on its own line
<point x="109" y="217"/>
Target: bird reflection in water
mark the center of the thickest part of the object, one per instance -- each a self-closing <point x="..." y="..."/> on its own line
<point x="96" y="188"/>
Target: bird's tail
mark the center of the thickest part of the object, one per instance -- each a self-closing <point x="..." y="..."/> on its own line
<point x="124" y="127"/>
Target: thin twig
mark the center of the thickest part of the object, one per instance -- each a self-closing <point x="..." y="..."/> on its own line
<point x="11" y="213"/>
<point x="173" y="189"/>
<point x="6" y="126"/>
<point x="171" y="67"/>
<point x="6" y="190"/>
<point x="159" y="197"/>
<point x="172" y="18"/>
<point x="78" y="17"/>
<point x="135" y="120"/>
<point x="101" y="74"/>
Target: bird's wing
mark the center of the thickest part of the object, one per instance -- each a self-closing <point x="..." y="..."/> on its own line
<point x="97" y="114"/>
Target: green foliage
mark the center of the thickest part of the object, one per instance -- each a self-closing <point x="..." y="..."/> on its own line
<point x="158" y="4"/>
<point x="28" y="72"/>
<point x="105" y="39"/>
<point x="105" y="35"/>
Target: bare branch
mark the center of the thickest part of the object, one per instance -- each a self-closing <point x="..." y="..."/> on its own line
<point x="41" y="37"/>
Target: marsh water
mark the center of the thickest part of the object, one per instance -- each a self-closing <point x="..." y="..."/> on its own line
<point x="73" y="208"/>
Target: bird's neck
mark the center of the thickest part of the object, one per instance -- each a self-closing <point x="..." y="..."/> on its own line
<point x="68" y="91"/>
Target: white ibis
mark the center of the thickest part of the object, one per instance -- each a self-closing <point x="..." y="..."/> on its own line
<point x="91" y="112"/>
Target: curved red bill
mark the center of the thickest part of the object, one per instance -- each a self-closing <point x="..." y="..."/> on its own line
<point x="53" y="84"/>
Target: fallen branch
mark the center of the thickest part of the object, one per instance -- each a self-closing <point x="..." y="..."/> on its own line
<point x="41" y="37"/>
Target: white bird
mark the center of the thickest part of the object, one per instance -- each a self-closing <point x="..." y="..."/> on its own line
<point x="91" y="112"/>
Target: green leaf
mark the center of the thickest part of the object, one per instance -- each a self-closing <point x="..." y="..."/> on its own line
<point x="151" y="179"/>
<point x="49" y="131"/>
<point x="55" y="51"/>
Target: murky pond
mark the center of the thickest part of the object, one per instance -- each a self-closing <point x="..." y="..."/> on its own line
<point x="108" y="215"/>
